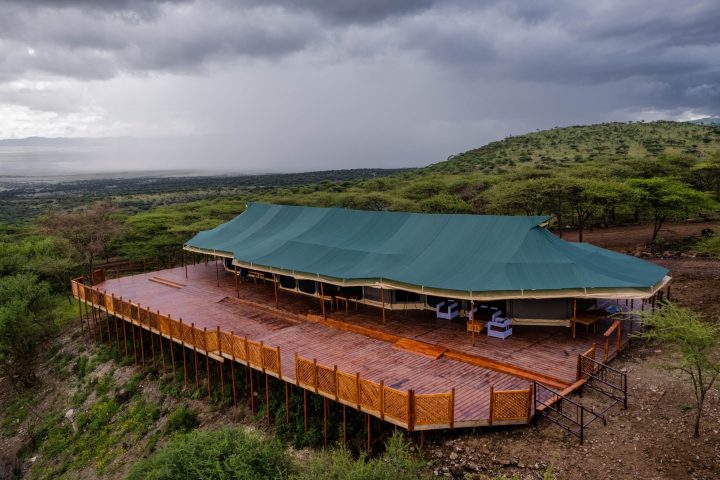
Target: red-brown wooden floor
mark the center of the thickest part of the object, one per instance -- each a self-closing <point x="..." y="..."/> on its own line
<point x="545" y="351"/>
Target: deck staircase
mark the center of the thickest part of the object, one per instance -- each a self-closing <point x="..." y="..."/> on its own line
<point x="606" y="387"/>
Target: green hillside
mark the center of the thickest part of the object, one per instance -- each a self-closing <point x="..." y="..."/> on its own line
<point x="584" y="144"/>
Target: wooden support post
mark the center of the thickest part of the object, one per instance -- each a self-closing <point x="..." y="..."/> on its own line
<point x="252" y="391"/>
<point x="267" y="397"/>
<point x="619" y="339"/>
<point x="492" y="404"/>
<point x="160" y="340"/>
<point x="220" y="365"/>
<point x="207" y="362"/>
<point x="277" y="302"/>
<point x="124" y="333"/>
<point x="172" y="345"/>
<point x="182" y="345"/>
<point x="82" y="320"/>
<point x="142" y="344"/>
<point x="305" y="408"/>
<point x="107" y="325"/>
<point x="232" y="370"/>
<point x="382" y="300"/>
<point x="322" y="300"/>
<point x="195" y="361"/>
<point x="325" y="414"/>
<point x="90" y="326"/>
<point x="132" y="326"/>
<point x="369" y="443"/>
<point x="117" y="335"/>
<point x="574" y="320"/>
<point x="472" y="320"/>
<point x="410" y="409"/>
<point x="237" y="282"/>
<point x="287" y="403"/>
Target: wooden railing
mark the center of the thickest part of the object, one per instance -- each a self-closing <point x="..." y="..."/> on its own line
<point x="510" y="406"/>
<point x="403" y="408"/>
<point x="400" y="407"/>
<point x="615" y="327"/>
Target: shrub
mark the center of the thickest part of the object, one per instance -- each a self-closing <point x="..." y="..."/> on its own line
<point x="182" y="419"/>
<point x="226" y="454"/>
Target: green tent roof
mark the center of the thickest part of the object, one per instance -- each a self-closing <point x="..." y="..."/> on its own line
<point x="464" y="256"/>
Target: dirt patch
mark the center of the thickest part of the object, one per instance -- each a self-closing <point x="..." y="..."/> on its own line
<point x="631" y="237"/>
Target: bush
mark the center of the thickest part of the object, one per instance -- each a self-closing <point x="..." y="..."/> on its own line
<point x="181" y="420"/>
<point x="397" y="463"/>
<point x="226" y="454"/>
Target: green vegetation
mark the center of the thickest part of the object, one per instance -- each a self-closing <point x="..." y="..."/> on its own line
<point x="697" y="344"/>
<point x="229" y="453"/>
<point x="235" y="453"/>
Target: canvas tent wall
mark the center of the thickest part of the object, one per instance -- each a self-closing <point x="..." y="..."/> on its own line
<point x="474" y="257"/>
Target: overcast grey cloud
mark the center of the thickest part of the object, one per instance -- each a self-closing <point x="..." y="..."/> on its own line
<point x="309" y="84"/>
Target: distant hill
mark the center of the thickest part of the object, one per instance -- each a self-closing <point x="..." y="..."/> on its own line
<point x="582" y="144"/>
<point x="707" y="121"/>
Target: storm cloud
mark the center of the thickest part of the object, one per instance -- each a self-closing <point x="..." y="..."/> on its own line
<point x="342" y="83"/>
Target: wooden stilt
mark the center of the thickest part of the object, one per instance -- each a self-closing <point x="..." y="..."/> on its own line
<point x="82" y="322"/>
<point x="195" y="361"/>
<point x="124" y="334"/>
<point x="152" y="340"/>
<point x="287" y="403"/>
<point x="117" y="335"/>
<point x="207" y="363"/>
<point x="162" y="351"/>
<point x="472" y="320"/>
<point x="267" y="397"/>
<point x="252" y="390"/>
<point x="344" y="427"/>
<point x="305" y="409"/>
<point x="172" y="346"/>
<point x="382" y="301"/>
<point x="325" y="414"/>
<point x="142" y="343"/>
<point x="107" y="326"/>
<point x="182" y="345"/>
<point x="237" y="282"/>
<point x="132" y="326"/>
<point x="368" y="432"/>
<point x="90" y="325"/>
<point x="220" y="366"/>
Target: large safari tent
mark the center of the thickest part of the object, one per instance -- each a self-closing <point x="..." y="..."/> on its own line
<point x="426" y="321"/>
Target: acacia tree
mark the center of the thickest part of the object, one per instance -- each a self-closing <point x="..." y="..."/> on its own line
<point x="25" y="315"/>
<point x="668" y="198"/>
<point x="697" y="343"/>
<point x="89" y="231"/>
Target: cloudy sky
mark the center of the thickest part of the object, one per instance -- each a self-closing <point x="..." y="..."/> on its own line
<point x="314" y="84"/>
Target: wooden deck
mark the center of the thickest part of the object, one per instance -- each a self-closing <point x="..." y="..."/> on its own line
<point x="412" y="350"/>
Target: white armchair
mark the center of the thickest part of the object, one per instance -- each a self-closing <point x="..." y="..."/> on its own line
<point x="447" y="310"/>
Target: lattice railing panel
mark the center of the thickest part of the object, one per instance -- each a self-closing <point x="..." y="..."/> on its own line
<point x="305" y="370"/>
<point x="254" y="354"/>
<point x="175" y="330"/>
<point x="370" y="395"/>
<point x="271" y="359"/>
<point x="395" y="403"/>
<point x="326" y="380"/>
<point x="347" y="387"/>
<point x="238" y="348"/>
<point x="187" y="335"/>
<point x="164" y="324"/>
<point x="109" y="307"/>
<point x="511" y="405"/>
<point x="433" y="409"/>
<point x="144" y="317"/>
<point x="211" y="341"/>
<point x="134" y="312"/>
<point x="226" y="343"/>
<point x="75" y="289"/>
<point x="81" y="291"/>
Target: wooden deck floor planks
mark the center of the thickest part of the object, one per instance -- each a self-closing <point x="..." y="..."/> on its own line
<point x="424" y="361"/>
